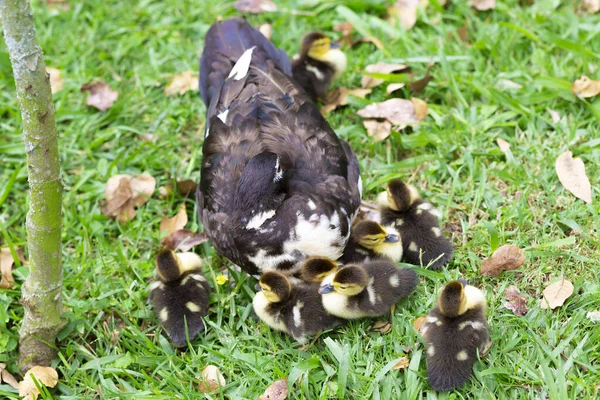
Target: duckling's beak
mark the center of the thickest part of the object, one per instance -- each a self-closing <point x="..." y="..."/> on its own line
<point x="463" y="281"/>
<point x="327" y="288"/>
<point x="391" y="239"/>
<point x="334" y="45"/>
<point x="257" y="287"/>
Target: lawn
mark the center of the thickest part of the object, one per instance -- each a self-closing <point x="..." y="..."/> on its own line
<point x="519" y="61"/>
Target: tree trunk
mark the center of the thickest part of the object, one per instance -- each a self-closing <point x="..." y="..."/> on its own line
<point x="42" y="291"/>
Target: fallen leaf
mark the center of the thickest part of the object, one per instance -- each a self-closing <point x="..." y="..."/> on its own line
<point x="211" y="380"/>
<point x="377" y="130"/>
<point x="483" y="5"/>
<point x="463" y="32"/>
<point x="124" y="192"/>
<point x="405" y="11"/>
<point x="421" y="108"/>
<point x="170" y="225"/>
<point x="7" y="377"/>
<point x="503" y="144"/>
<point x="591" y="6"/>
<point x="369" y="211"/>
<point x="402" y="364"/>
<point x="369" y="39"/>
<point x="397" y="111"/>
<point x="182" y="83"/>
<point x="556" y="294"/>
<point x="186" y="187"/>
<point x="506" y="257"/>
<point x="418" y="324"/>
<point x="554" y="115"/>
<point x="6" y="263"/>
<point x="56" y="80"/>
<point x="345" y="28"/>
<point x="339" y="97"/>
<point x="418" y="86"/>
<point x="255" y="6"/>
<point x="183" y="240"/>
<point x="593" y="316"/>
<point x="142" y="188"/>
<point x="46" y="376"/>
<point x="507" y="84"/>
<point x="276" y="391"/>
<point x="517" y="303"/>
<point x="585" y="87"/>
<point x="100" y="95"/>
<point x="380" y="68"/>
<point x="392" y="87"/>
<point x="571" y="173"/>
<point x="266" y="30"/>
<point x="166" y="190"/>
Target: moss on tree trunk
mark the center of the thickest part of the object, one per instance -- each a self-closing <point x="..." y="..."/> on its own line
<point x="42" y="291"/>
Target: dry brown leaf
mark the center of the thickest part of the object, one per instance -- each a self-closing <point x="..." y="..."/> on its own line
<point x="170" y="225"/>
<point x="421" y="108"/>
<point x="345" y="28"/>
<point x="571" y="173"/>
<point x="483" y="5"/>
<point x="46" y="376"/>
<point x="369" y="39"/>
<point x="7" y="377"/>
<point x="402" y="364"/>
<point x="591" y="6"/>
<point x="142" y="188"/>
<point x="378" y="130"/>
<point x="392" y="87"/>
<point x="380" y="68"/>
<point x="503" y="144"/>
<point x="405" y="11"/>
<point x="339" y="97"/>
<point x="517" y="303"/>
<point x="276" y="391"/>
<point x="182" y="83"/>
<point x="255" y="6"/>
<point x="124" y="192"/>
<point x="418" y="324"/>
<point x="585" y="87"/>
<point x="100" y="95"/>
<point x="183" y="240"/>
<point x="556" y="294"/>
<point x="507" y="257"/>
<point x="211" y="380"/>
<point x="397" y="111"/>
<point x="6" y="264"/>
<point x="463" y="32"/>
<point x="419" y="85"/>
<point x="186" y="187"/>
<point x="593" y="316"/>
<point x="266" y="30"/>
<point x="554" y="115"/>
<point x="56" y="80"/>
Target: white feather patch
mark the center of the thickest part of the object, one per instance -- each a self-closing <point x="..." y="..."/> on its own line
<point x="260" y="304"/>
<point x="259" y="219"/>
<point x="371" y="290"/>
<point x="164" y="314"/>
<point x="462" y="355"/>
<point x="223" y="116"/>
<point x="394" y="281"/>
<point x="437" y="232"/>
<point x="155" y="285"/>
<point x="318" y="74"/>
<point x="296" y="313"/>
<point x="431" y="351"/>
<point x="241" y="67"/>
<point x="193" y="307"/>
<point x="413" y="247"/>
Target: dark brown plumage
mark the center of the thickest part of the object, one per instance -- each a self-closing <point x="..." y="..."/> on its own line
<point x="257" y="111"/>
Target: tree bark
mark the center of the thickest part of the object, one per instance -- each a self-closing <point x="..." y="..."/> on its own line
<point x="42" y="290"/>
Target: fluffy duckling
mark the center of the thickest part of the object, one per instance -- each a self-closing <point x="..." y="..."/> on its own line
<point x="417" y="222"/>
<point x="371" y="240"/>
<point x="320" y="62"/>
<point x="296" y="309"/>
<point x="454" y="331"/>
<point x="356" y="291"/>
<point x="180" y="295"/>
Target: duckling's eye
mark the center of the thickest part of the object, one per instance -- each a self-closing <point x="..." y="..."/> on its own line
<point x="373" y="239"/>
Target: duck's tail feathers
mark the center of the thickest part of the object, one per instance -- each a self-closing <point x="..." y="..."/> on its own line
<point x="225" y="42"/>
<point x="445" y="375"/>
<point x="353" y="173"/>
<point x="444" y="251"/>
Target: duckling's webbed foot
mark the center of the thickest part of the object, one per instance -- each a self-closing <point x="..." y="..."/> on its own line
<point x="384" y="326"/>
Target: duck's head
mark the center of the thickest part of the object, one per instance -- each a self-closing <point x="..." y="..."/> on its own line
<point x="399" y="195"/>
<point x="318" y="46"/>
<point x="170" y="266"/>
<point x="349" y="281"/>
<point x="457" y="298"/>
<point x="275" y="286"/>
<point x="372" y="235"/>
<point x="261" y="183"/>
<point x="315" y="269"/>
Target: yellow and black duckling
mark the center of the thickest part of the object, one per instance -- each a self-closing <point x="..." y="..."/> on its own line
<point x="417" y="222"/>
<point x="296" y="309"/>
<point x="455" y="330"/>
<point x="277" y="185"/>
<point x="320" y="62"/>
<point x="180" y="295"/>
<point x="370" y="240"/>
<point x="356" y="291"/>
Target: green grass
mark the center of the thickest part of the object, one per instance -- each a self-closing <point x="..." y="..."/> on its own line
<point x="113" y="346"/>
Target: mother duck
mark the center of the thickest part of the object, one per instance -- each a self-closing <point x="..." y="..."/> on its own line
<point x="277" y="185"/>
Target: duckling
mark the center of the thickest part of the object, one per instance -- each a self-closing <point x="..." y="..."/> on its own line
<point x="277" y="184"/>
<point x="295" y="309"/>
<point x="356" y="291"/>
<point x="370" y="240"/>
<point x="455" y="330"/>
<point x="320" y="62"/>
<point x="180" y="295"/>
<point x="417" y="222"/>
